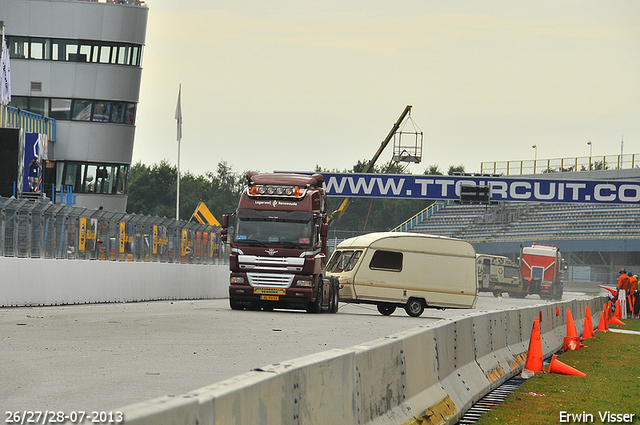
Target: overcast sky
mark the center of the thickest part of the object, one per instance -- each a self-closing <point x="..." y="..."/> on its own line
<point x="285" y="85"/>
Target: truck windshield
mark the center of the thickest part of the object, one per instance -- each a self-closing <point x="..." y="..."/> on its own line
<point x="343" y="261"/>
<point x="265" y="231"/>
<point x="511" y="272"/>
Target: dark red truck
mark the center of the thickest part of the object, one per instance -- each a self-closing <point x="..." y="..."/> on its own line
<point x="278" y="245"/>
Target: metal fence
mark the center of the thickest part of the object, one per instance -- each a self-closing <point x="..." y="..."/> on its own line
<point x="31" y="229"/>
<point x="562" y="165"/>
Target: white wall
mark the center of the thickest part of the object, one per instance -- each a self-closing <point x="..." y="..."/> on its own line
<point x="28" y="281"/>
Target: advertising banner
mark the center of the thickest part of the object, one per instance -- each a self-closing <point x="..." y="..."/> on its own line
<point x="502" y="188"/>
<point x="82" y="243"/>
<point x="35" y="151"/>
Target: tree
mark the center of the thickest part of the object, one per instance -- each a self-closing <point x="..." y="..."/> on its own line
<point x="433" y="170"/>
<point x="152" y="190"/>
<point x="455" y="169"/>
<point x="226" y="187"/>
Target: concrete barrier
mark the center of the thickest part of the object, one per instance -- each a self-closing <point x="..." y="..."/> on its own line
<point x="425" y="375"/>
<point x="40" y="282"/>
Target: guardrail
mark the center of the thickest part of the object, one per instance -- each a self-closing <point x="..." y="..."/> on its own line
<point x="421" y="216"/>
<point x="424" y="375"/>
<point x="32" y="229"/>
<point x="561" y="165"/>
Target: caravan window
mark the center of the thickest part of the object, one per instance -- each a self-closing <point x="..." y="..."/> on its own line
<point x="386" y="260"/>
<point x="343" y="261"/>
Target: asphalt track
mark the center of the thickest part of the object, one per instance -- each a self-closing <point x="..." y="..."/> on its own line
<point x="104" y="356"/>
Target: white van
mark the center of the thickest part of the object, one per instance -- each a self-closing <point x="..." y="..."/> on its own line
<point x="408" y="270"/>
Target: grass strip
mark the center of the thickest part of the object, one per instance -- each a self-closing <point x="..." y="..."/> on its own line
<point x="612" y="386"/>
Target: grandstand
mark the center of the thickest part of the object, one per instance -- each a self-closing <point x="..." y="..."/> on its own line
<point x="596" y="239"/>
<point x="526" y="222"/>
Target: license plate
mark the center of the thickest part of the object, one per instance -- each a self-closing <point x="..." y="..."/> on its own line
<point x="269" y="297"/>
<point x="271" y="291"/>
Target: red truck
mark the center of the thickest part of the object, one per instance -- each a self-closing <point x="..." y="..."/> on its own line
<point x="541" y="267"/>
<point x="278" y="245"/>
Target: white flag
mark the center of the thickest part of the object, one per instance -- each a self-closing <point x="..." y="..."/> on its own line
<point x="179" y="114"/>
<point x="5" y="80"/>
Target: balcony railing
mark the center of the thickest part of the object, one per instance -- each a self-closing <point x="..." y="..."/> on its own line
<point x="128" y="2"/>
<point x="32" y="123"/>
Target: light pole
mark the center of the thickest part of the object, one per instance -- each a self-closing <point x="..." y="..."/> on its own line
<point x="590" y="152"/>
<point x="535" y="157"/>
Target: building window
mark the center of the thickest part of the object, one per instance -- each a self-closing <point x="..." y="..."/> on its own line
<point x="93" y="51"/>
<point x="82" y="110"/>
<point x="78" y="109"/>
<point x="19" y="47"/>
<point x="60" y="109"/>
<point x="39" y="105"/>
<point x="108" y="179"/>
<point x="117" y="112"/>
<point x="101" y="111"/>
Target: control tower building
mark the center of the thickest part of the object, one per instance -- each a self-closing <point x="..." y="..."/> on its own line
<point x="80" y="63"/>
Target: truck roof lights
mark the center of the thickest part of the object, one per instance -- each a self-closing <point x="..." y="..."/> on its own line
<point x="284" y="191"/>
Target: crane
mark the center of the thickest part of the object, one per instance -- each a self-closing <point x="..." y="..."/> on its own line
<point x="335" y="215"/>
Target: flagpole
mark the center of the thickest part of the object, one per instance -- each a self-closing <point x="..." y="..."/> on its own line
<point x="179" y="137"/>
<point x="3" y="106"/>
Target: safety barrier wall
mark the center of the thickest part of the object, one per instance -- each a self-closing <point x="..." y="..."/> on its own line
<point x="36" y="281"/>
<point x="426" y="375"/>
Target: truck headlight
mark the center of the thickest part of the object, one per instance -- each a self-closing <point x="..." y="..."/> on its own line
<point x="237" y="280"/>
<point x="305" y="283"/>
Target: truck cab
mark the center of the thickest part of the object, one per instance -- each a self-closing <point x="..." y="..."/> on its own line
<point x="278" y="244"/>
<point x="542" y="267"/>
<point x="498" y="274"/>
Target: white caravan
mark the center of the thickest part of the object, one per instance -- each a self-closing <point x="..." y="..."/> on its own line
<point x="408" y="270"/>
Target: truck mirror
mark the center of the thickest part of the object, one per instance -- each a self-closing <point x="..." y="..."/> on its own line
<point x="223" y="234"/>
<point x="324" y="230"/>
<point x="225" y="221"/>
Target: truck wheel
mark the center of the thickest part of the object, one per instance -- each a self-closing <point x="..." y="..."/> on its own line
<point x="386" y="309"/>
<point x="497" y="293"/>
<point x="316" y="306"/>
<point x="333" y="305"/>
<point x="557" y="292"/>
<point x="519" y="295"/>
<point x="414" y="307"/>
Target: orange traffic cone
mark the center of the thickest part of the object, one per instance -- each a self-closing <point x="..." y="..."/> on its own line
<point x="588" y="325"/>
<point x="616" y="318"/>
<point x="556" y="366"/>
<point x="572" y="340"/>
<point x="615" y="321"/>
<point x="602" y="326"/>
<point x="534" y="361"/>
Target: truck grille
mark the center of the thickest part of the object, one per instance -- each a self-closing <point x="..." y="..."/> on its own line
<point x="269" y="279"/>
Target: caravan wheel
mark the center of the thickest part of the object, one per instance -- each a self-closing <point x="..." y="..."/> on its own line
<point x="414" y="307"/>
<point x="386" y="309"/>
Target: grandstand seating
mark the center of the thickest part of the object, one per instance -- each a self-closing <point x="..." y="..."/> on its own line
<point x="517" y="221"/>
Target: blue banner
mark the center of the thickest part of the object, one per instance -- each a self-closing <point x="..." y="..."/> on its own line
<point x="502" y="188"/>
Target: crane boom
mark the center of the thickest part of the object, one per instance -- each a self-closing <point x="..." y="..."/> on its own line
<point x="335" y="215"/>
